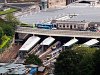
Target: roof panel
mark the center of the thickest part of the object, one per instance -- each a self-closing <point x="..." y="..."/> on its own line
<point x="91" y="42"/>
<point x="29" y="43"/>
<point x="71" y="42"/>
<point x="47" y="41"/>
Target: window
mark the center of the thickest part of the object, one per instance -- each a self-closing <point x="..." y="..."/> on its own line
<point x="74" y="26"/>
<point x="60" y="26"/>
<point x="67" y="26"/>
<point x="63" y="26"/>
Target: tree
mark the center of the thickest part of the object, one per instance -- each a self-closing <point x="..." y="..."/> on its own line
<point x="97" y="62"/>
<point x="76" y="61"/>
<point x="11" y="18"/>
<point x="86" y="64"/>
<point x="33" y="59"/>
<point x="1" y="34"/>
<point x="67" y="63"/>
<point x="8" y="30"/>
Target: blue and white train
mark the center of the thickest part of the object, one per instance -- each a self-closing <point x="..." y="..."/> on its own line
<point x="45" y="26"/>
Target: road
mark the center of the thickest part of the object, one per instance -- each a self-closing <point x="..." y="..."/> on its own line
<point x="67" y="33"/>
<point x="20" y="3"/>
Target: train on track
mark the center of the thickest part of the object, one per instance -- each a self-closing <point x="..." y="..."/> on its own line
<point x="56" y="26"/>
<point x="45" y="26"/>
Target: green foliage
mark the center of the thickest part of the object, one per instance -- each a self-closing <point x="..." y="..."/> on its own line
<point x="77" y="61"/>
<point x="8" y="30"/>
<point x="1" y="32"/>
<point x="67" y="63"/>
<point x="96" y="60"/>
<point x="85" y="50"/>
<point x="33" y="59"/>
<point x="8" y="11"/>
<point x="5" y="41"/>
<point x="11" y="18"/>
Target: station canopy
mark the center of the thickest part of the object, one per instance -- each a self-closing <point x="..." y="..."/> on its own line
<point x="47" y="41"/>
<point x="71" y="42"/>
<point x="29" y="43"/>
<point x="91" y="42"/>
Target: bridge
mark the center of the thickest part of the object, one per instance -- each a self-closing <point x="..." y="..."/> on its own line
<point x="63" y="33"/>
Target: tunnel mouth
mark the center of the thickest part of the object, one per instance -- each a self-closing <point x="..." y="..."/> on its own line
<point x="88" y="2"/>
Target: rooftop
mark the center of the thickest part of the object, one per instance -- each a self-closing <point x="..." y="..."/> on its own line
<point x="13" y="69"/>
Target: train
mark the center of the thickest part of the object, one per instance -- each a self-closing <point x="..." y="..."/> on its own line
<point x="45" y="26"/>
<point x="56" y="26"/>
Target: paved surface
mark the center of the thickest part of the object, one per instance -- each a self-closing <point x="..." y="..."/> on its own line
<point x="2" y="2"/>
<point x="81" y="10"/>
<point x="67" y="33"/>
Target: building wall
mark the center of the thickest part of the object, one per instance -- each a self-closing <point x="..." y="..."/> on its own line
<point x="56" y="3"/>
<point x="70" y="1"/>
<point x="71" y="25"/>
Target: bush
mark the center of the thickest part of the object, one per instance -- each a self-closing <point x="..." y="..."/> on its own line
<point x="5" y="42"/>
<point x="33" y="59"/>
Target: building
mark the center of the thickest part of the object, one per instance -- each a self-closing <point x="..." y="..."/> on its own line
<point x="23" y="1"/>
<point x="70" y="1"/>
<point x="73" y="25"/>
<point x="76" y="25"/>
<point x="52" y="3"/>
<point x="56" y="3"/>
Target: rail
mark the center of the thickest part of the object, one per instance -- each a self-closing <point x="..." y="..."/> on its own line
<point x="49" y="50"/>
<point x="35" y="49"/>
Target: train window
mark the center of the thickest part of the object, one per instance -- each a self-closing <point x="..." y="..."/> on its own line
<point x="55" y="26"/>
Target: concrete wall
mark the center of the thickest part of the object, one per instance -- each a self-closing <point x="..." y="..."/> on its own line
<point x="71" y="25"/>
<point x="56" y="3"/>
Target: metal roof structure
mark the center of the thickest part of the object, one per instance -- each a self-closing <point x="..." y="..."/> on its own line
<point x="83" y="11"/>
<point x="29" y="43"/>
<point x="47" y="41"/>
<point x="91" y="42"/>
<point x="71" y="42"/>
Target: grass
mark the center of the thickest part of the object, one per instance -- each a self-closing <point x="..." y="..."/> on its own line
<point x="5" y="41"/>
<point x="8" y="11"/>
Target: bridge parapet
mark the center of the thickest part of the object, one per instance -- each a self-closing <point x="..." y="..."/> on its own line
<point x="67" y="33"/>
